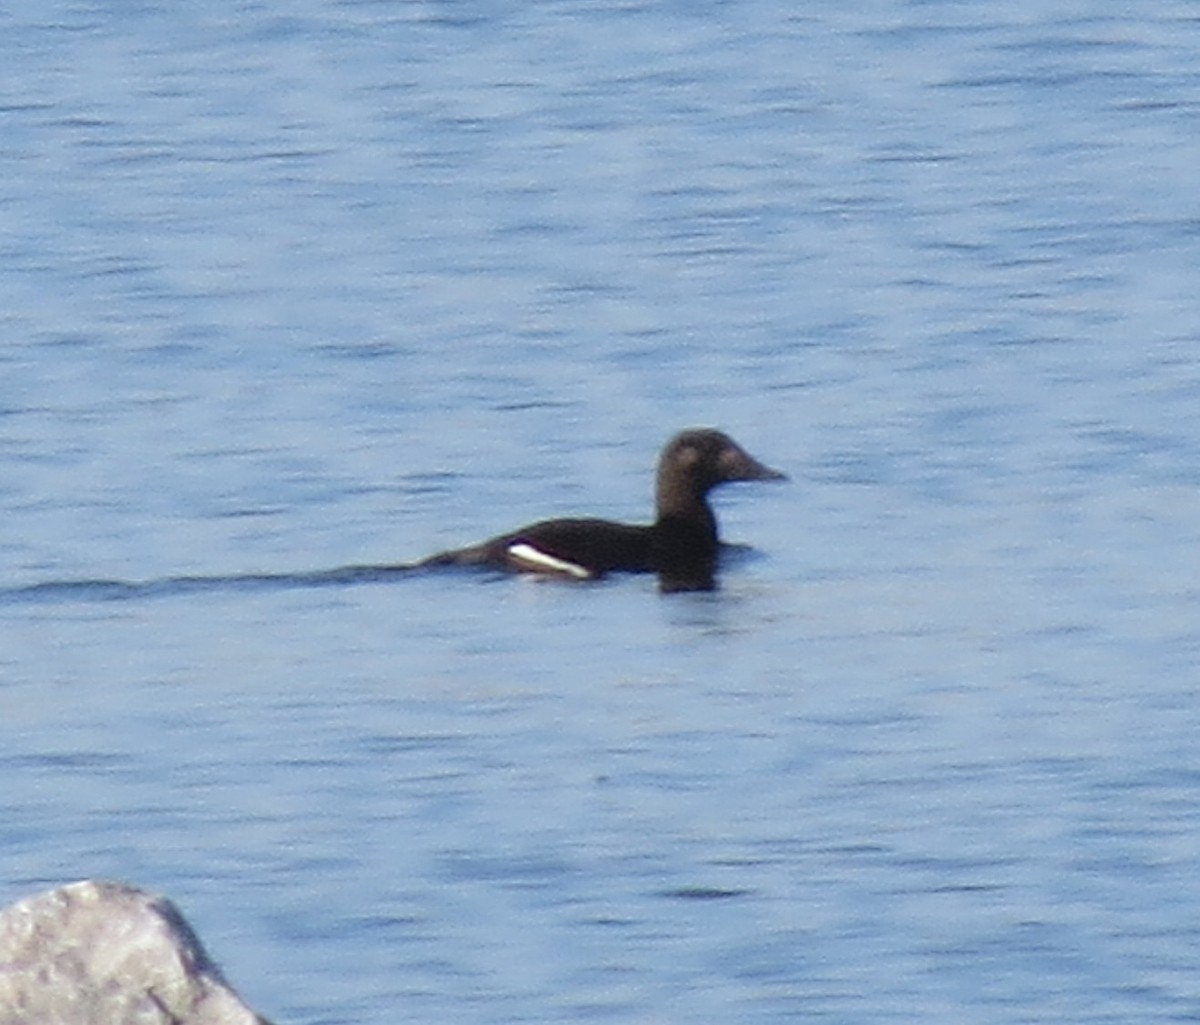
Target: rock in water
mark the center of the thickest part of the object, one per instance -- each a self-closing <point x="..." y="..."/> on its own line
<point x="98" y="953"/>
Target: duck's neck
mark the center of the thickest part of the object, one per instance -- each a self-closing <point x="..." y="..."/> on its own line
<point x="683" y="506"/>
<point x="685" y="542"/>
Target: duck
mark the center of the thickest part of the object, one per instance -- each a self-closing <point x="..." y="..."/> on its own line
<point x="682" y="545"/>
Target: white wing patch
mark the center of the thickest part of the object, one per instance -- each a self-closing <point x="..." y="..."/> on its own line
<point x="528" y="557"/>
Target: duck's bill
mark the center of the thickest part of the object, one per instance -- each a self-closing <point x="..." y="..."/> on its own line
<point x="749" y="468"/>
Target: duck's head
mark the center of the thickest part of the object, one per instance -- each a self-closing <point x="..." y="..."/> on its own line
<point x="697" y="460"/>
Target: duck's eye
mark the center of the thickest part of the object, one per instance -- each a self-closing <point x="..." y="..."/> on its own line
<point x="729" y="460"/>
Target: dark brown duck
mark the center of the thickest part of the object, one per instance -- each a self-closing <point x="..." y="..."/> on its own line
<point x="682" y="545"/>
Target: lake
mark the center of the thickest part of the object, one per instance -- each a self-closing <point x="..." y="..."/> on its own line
<point x="346" y="283"/>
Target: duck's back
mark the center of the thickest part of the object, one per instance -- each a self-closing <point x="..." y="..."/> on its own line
<point x="575" y="547"/>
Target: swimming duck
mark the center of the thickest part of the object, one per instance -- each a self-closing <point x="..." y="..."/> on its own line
<point x="681" y="545"/>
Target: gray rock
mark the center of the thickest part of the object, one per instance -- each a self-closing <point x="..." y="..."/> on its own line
<point x="97" y="953"/>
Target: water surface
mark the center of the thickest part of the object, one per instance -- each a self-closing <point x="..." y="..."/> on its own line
<point x="348" y="283"/>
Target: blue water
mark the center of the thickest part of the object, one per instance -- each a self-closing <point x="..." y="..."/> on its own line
<point x="289" y="288"/>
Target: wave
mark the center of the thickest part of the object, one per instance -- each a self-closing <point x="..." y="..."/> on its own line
<point x="129" y="590"/>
